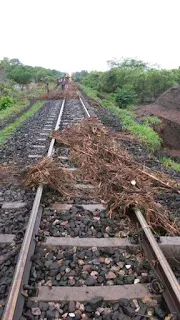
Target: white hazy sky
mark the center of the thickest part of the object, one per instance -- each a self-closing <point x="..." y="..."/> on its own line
<point x="71" y="35"/>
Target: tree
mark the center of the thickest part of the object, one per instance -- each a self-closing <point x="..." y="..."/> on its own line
<point x="109" y="81"/>
<point x="159" y="81"/>
<point x="15" y="62"/>
<point x="41" y="75"/>
<point x="92" y="80"/>
<point x="80" y="75"/>
<point x="125" y="96"/>
<point x="21" y="75"/>
<point x="128" y="64"/>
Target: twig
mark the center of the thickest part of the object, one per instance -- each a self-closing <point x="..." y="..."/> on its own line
<point x="158" y="180"/>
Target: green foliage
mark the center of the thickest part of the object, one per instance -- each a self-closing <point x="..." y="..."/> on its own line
<point x="20" y="74"/>
<point x="44" y="75"/>
<point x="169" y="163"/>
<point x="109" y="81"/>
<point x="90" y="92"/>
<point x="146" y="134"/>
<point x="78" y="76"/>
<point x="5" y="133"/>
<point x="15" y="108"/>
<point x="23" y="74"/>
<point x="125" y="96"/>
<point x="6" y="102"/>
<point x="6" y="90"/>
<point x="151" y="120"/>
<point x="92" y="80"/>
<point x="148" y="82"/>
<point x="128" y="64"/>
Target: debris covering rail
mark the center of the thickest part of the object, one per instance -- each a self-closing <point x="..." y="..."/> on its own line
<point x="164" y="273"/>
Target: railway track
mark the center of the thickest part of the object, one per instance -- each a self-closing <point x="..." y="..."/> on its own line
<point x="79" y="267"/>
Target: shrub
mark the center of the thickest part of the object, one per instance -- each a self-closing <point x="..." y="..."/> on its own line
<point x="125" y="97"/>
<point x="6" y="102"/>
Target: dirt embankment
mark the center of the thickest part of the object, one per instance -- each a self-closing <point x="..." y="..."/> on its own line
<point x="167" y="108"/>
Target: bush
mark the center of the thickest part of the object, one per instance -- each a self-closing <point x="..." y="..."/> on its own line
<point x="125" y="97"/>
<point x="6" y="102"/>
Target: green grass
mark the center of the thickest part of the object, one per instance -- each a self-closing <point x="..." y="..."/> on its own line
<point x="6" y="132"/>
<point x="169" y="163"/>
<point x="14" y="109"/>
<point x="90" y="93"/>
<point x="151" y="120"/>
<point x="146" y="134"/>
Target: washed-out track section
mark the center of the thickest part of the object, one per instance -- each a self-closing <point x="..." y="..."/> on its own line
<point x="80" y="269"/>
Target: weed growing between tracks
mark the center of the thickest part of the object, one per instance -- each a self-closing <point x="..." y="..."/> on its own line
<point x="118" y="180"/>
<point x="5" y="133"/>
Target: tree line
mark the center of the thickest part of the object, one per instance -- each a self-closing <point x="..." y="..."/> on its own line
<point x="24" y="74"/>
<point x="130" y="81"/>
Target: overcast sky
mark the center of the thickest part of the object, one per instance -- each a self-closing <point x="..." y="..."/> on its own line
<point x="71" y="35"/>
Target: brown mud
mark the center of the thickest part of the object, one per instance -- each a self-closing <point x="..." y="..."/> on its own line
<point x="167" y="108"/>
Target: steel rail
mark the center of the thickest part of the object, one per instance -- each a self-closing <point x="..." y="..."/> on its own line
<point x="171" y="287"/>
<point x="15" y="300"/>
<point x="50" y="151"/>
<point x="88" y="114"/>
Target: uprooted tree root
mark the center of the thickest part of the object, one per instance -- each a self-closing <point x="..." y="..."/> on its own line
<point x="104" y="163"/>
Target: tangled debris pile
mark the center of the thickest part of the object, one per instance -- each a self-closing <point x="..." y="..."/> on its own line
<point x="54" y="95"/>
<point x="117" y="179"/>
<point x="58" y="94"/>
<point x="50" y="172"/>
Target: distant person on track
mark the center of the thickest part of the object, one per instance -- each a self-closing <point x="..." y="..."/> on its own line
<point x="66" y="82"/>
<point x="63" y="83"/>
<point x="47" y="87"/>
<point x="58" y="82"/>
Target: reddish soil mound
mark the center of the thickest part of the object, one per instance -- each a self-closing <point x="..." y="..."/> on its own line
<point x="170" y="133"/>
<point x="170" y="98"/>
<point x="167" y="108"/>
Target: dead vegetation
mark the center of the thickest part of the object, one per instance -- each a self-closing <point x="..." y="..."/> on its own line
<point x="50" y="172"/>
<point x="58" y="94"/>
<point x="119" y="181"/>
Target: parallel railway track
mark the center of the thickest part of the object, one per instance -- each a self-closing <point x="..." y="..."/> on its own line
<point x="165" y="284"/>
